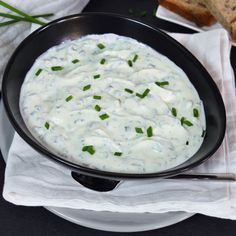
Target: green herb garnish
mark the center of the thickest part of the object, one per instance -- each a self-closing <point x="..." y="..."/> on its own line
<point x="149" y="131"/>
<point x="104" y="116"/>
<point x="117" y="154"/>
<point x="145" y="93"/>
<point x="96" y="76"/>
<point x="184" y="121"/>
<point x="100" y="46"/>
<point x="195" y="112"/>
<point x="138" y="130"/>
<point x="16" y="19"/>
<point x="97" y="108"/>
<point x="38" y="72"/>
<point x="25" y="16"/>
<point x="97" y="97"/>
<point x="143" y="13"/>
<point x="174" y="111"/>
<point x="130" y="63"/>
<point x="86" y="87"/>
<point x="135" y="58"/>
<point x="128" y="90"/>
<point x="56" y="68"/>
<point x="69" y="98"/>
<point x="75" y="61"/>
<point x="103" y="61"/>
<point x="46" y="125"/>
<point x="162" y="83"/>
<point x="139" y="95"/>
<point x="90" y="149"/>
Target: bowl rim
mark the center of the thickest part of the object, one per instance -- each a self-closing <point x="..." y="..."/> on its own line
<point x="96" y="172"/>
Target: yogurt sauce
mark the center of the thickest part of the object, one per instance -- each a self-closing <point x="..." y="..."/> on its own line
<point x="111" y="103"/>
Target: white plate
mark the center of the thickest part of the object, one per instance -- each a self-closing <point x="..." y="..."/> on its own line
<point x="170" y="16"/>
<point x="102" y="220"/>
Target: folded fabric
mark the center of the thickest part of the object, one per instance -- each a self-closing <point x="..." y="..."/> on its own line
<point x="33" y="180"/>
<point x="12" y="35"/>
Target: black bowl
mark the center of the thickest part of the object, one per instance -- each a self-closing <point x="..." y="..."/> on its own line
<point x="75" y="26"/>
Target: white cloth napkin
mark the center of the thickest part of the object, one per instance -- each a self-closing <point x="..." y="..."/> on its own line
<point x="33" y="180"/>
<point x="11" y="36"/>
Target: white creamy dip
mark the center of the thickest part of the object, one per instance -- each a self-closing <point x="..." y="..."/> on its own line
<point x="111" y="103"/>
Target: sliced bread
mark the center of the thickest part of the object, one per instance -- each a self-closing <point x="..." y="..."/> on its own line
<point x="193" y="10"/>
<point x="225" y="12"/>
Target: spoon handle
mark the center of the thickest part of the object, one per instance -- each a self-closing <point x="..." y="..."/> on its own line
<point x="212" y="176"/>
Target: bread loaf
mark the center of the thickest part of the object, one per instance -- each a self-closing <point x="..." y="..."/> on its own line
<point x="193" y="10"/>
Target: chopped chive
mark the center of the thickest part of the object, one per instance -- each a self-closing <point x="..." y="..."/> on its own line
<point x="146" y="92"/>
<point x="100" y="46"/>
<point x="69" y="98"/>
<point x="21" y="13"/>
<point x="195" y="113"/>
<point x="149" y="131"/>
<point x="104" y="116"/>
<point x="90" y="149"/>
<point x="203" y="133"/>
<point x="86" y="87"/>
<point x="103" y="60"/>
<point x="97" y="108"/>
<point x="19" y="18"/>
<point x="75" y="61"/>
<point x="97" y="97"/>
<point x="46" y="125"/>
<point x="184" y="121"/>
<point x="138" y="130"/>
<point x="128" y="90"/>
<point x="174" y="111"/>
<point x="130" y="11"/>
<point x="143" y="13"/>
<point x="162" y="83"/>
<point x="56" y="68"/>
<point x="139" y="95"/>
<point x="130" y="63"/>
<point x="135" y="58"/>
<point x="117" y="154"/>
<point x="96" y="76"/>
<point x="187" y="143"/>
<point x="38" y="72"/>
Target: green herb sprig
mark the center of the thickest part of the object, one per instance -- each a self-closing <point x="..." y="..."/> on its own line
<point x="20" y="15"/>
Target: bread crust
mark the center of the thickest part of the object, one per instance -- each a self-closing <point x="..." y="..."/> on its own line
<point x="190" y="11"/>
<point x="225" y="12"/>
